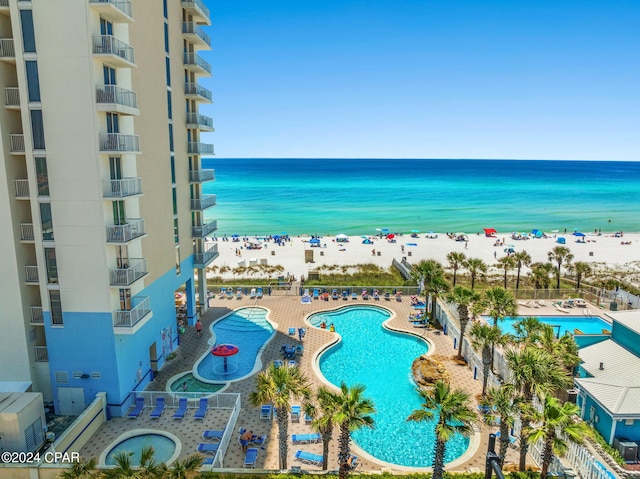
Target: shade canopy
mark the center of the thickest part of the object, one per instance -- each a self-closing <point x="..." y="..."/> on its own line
<point x="341" y="236"/>
<point x="314" y="241"/>
<point x="577" y="233"/>
<point x="224" y="350"/>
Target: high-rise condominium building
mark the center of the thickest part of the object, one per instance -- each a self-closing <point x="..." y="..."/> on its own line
<point x="101" y="192"/>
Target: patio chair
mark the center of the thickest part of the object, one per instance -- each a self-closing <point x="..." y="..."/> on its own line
<point x="223" y="292"/>
<point x="306" y="457"/>
<point x="278" y="363"/>
<point x="137" y="410"/>
<point x="209" y="448"/>
<point x="252" y="294"/>
<point x="295" y="413"/>
<point x="316" y="293"/>
<point x="307" y="419"/>
<point x="213" y="435"/>
<point x="182" y="409"/>
<point x="202" y="409"/>
<point x="345" y="295"/>
<point x="292" y="331"/>
<point x="306" y="438"/>
<point x="259" y="293"/>
<point x="265" y="412"/>
<point x="159" y="409"/>
<point x="250" y="458"/>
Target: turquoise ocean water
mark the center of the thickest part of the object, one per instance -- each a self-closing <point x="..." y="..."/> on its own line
<point x="331" y="196"/>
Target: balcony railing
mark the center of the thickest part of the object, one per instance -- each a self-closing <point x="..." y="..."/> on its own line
<point x="122" y="188"/>
<point x="195" y="147"/>
<point x="198" y="8"/>
<point x="129" y="273"/>
<point x="134" y="228"/>
<point x="36" y="315"/>
<point x="129" y="318"/>
<point x="203" y="230"/>
<point x="4" y="3"/>
<point x="206" y="201"/>
<point x="201" y="260"/>
<point x="193" y="89"/>
<point x="110" y="45"/>
<point x="7" y="49"/>
<point x="17" y="142"/>
<point x="42" y="355"/>
<point x="201" y="121"/>
<point x="121" y="6"/>
<point x="22" y="188"/>
<point x="12" y="97"/>
<point x="200" y="176"/>
<point x="31" y="274"/>
<point x="112" y="94"/>
<point x="26" y="232"/>
<point x="117" y="142"/>
<point x="192" y="29"/>
<point x="195" y="61"/>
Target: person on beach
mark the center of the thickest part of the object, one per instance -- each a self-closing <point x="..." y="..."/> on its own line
<point x="245" y="438"/>
<point x="198" y="328"/>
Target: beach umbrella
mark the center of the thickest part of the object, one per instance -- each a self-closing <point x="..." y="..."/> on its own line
<point x="224" y="351"/>
<point x="391" y="236"/>
<point x="235" y="236"/>
<point x="314" y="241"/>
<point x="415" y="231"/>
<point x="577" y="233"/>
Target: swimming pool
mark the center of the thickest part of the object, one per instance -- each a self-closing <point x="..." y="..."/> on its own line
<point x="381" y="359"/>
<point x="164" y="444"/>
<point x="194" y="385"/>
<point x="586" y="324"/>
<point x="247" y="328"/>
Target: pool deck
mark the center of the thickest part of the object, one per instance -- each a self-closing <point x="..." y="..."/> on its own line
<point x="286" y="312"/>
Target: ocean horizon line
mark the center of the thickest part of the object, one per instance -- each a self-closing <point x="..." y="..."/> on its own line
<point x="413" y="159"/>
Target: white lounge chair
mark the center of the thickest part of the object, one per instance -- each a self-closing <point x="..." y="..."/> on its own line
<point x="252" y="294"/>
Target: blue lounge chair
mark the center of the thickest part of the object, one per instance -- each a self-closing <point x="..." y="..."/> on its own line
<point x="334" y="294"/>
<point x="159" y="409"/>
<point x="295" y="413"/>
<point x="239" y="293"/>
<point x="212" y="435"/>
<point x="353" y="462"/>
<point x="259" y="293"/>
<point x="299" y="350"/>
<point x="354" y="296"/>
<point x="254" y="441"/>
<point x="250" y="457"/>
<point x="208" y="461"/>
<point x="387" y="295"/>
<point x="316" y="293"/>
<point x="306" y="457"/>
<point x="376" y="295"/>
<point x="210" y="448"/>
<point x="182" y="409"/>
<point x="278" y="363"/>
<point x="137" y="410"/>
<point x="345" y="295"/>
<point x="306" y="438"/>
<point x="223" y="292"/>
<point x="265" y="412"/>
<point x="512" y="439"/>
<point x="292" y="363"/>
<point x="292" y="331"/>
<point x="229" y="293"/>
<point x="252" y="294"/>
<point x="202" y="409"/>
<point x="307" y="419"/>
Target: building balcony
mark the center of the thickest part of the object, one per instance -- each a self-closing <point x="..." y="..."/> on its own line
<point x="201" y="231"/>
<point x="12" y="98"/>
<point x="129" y="273"/>
<point x="36" y="315"/>
<point x="7" y="50"/>
<point x="201" y="176"/>
<point x="42" y="354"/>
<point x="112" y="98"/>
<point x="201" y="260"/>
<point x="132" y="229"/>
<point x="131" y="317"/>
<point x="22" y="189"/>
<point x="207" y="201"/>
<point x="118" y="143"/>
<point x="194" y="62"/>
<point x="197" y="148"/>
<point x="201" y="122"/>
<point x="193" y="91"/>
<point x="116" y="52"/>
<point x="17" y="143"/>
<point x="196" y="34"/>
<point x="122" y="188"/>
<point x="117" y="10"/>
<point x="4" y="7"/>
<point x="31" y="275"/>
<point x="198" y="10"/>
<point x="26" y="232"/>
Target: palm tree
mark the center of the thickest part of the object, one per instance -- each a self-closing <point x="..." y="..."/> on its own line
<point x="321" y="411"/>
<point x="186" y="469"/>
<point x="279" y="385"/>
<point x="581" y="270"/>
<point x="528" y="330"/>
<point x="564" y="348"/>
<point x="501" y="407"/>
<point x="522" y="258"/>
<point x="436" y="287"/>
<point x="353" y="412"/>
<point x="464" y="298"/>
<point x="500" y="303"/>
<point x="83" y="469"/>
<point x="455" y="415"/>
<point x="558" y="422"/>
<point x="476" y="267"/>
<point x="149" y="468"/>
<point x="506" y="263"/>
<point x="560" y="254"/>
<point x="456" y="261"/>
<point x="429" y="274"/>
<point x="483" y="339"/>
<point x="539" y="275"/>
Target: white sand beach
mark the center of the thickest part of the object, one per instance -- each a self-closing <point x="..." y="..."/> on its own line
<point x="604" y="251"/>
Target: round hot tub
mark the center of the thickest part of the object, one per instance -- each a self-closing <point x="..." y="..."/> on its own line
<point x="166" y="446"/>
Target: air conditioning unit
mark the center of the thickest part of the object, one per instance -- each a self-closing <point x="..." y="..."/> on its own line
<point x="628" y="450"/>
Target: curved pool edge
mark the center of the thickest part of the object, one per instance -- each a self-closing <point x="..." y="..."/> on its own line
<point x="141" y="432"/>
<point x="176" y="377"/>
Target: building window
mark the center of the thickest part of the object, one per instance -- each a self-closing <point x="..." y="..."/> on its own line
<point x="168" y="70"/>
<point x="174" y="194"/>
<point x="52" y="265"/>
<point x="106" y="27"/>
<point x="171" y="138"/>
<point x="178" y="259"/>
<point x="109" y="75"/>
<point x="169" y="108"/>
<point x="176" y="236"/>
<point x="28" y="37"/>
<point x="37" y="129"/>
<point x="113" y="123"/>
<point x="43" y="176"/>
<point x="33" y="82"/>
<point x="55" y="306"/>
<point x="34" y="434"/>
<point x="173" y="169"/>
<point x="166" y="37"/>
<point x="46" y="221"/>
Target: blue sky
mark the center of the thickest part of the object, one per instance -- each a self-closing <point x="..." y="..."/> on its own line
<point x="535" y="79"/>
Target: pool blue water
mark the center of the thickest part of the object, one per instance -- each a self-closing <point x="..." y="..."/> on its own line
<point x="381" y="360"/>
<point x="163" y="446"/>
<point x="586" y="324"/>
<point x="248" y="329"/>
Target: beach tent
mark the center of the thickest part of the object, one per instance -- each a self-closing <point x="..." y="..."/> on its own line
<point x="314" y="241"/>
<point x="490" y="232"/>
<point x="342" y="238"/>
<point x="561" y="240"/>
<point x="367" y="241"/>
<point x="536" y="233"/>
<point x="577" y="233"/>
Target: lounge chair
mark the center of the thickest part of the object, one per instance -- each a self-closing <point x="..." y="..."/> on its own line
<point x="223" y="292"/>
<point x="212" y="435"/>
<point x="398" y="295"/>
<point x="365" y="294"/>
<point x="278" y="363"/>
<point x="292" y="331"/>
<point x="316" y="293"/>
<point x="239" y="293"/>
<point x="352" y="462"/>
<point x="182" y="409"/>
<point x="259" y="293"/>
<point x="209" y="448"/>
<point x="306" y="457"/>
<point x="250" y="457"/>
<point x="334" y="294"/>
<point x="307" y="419"/>
<point x="387" y="296"/>
<point x="252" y="294"/>
<point x="229" y="293"/>
<point x="137" y="410"/>
<point x="354" y="296"/>
<point x="295" y="413"/>
<point x="542" y="302"/>
<point x="202" y="409"/>
<point x="345" y="295"/>
<point x="265" y="412"/>
<point x="512" y="439"/>
<point x="254" y="441"/>
<point x="306" y="438"/>
<point x="299" y="350"/>
<point x="306" y="292"/>
<point x="208" y="461"/>
<point x="159" y="409"/>
<point x="292" y="363"/>
<point x="376" y="295"/>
